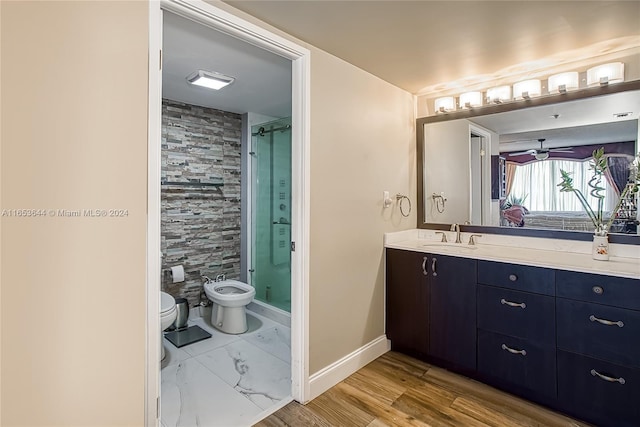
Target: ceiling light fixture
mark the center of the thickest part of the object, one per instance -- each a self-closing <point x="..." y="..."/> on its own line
<point x="499" y="94"/>
<point x="541" y="155"/>
<point x="605" y="74"/>
<point x="527" y="89"/>
<point x="445" y="104"/>
<point x="210" y="79"/>
<point x="471" y="99"/>
<point x="563" y="82"/>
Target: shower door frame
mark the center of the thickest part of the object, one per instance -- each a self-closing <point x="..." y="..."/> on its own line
<point x="218" y="19"/>
<point x="249" y="219"/>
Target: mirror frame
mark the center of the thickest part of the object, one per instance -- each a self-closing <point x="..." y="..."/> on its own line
<point x="500" y="108"/>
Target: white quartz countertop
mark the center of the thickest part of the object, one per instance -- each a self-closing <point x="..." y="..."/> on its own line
<point x="548" y="253"/>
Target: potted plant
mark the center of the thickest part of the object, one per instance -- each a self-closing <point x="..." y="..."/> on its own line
<point x="598" y="165"/>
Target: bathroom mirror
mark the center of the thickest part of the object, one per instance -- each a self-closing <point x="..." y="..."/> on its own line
<point x="463" y="159"/>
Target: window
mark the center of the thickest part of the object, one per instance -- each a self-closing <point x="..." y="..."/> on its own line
<point x="539" y="182"/>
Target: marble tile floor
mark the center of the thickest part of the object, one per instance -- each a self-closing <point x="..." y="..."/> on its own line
<point x="227" y="380"/>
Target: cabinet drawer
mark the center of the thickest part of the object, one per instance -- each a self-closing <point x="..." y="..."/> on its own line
<point x="600" y="331"/>
<point x="519" y="314"/>
<point x="599" y="400"/>
<point x="533" y="369"/>
<point x="617" y="291"/>
<point x="520" y="277"/>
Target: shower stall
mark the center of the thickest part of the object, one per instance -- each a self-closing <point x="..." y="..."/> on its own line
<point x="270" y="263"/>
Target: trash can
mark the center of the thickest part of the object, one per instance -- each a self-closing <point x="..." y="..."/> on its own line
<point x="182" y="314"/>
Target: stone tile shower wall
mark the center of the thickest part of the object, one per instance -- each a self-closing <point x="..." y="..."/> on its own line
<point x="200" y="224"/>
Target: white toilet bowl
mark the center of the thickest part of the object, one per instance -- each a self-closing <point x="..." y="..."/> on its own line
<point x="230" y="297"/>
<point x="168" y="314"/>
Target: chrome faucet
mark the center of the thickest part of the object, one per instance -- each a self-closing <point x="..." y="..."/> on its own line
<point x="444" y="236"/>
<point x="220" y="277"/>
<point x="456" y="228"/>
<point x="472" y="240"/>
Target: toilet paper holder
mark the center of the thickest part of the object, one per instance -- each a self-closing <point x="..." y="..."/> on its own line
<point x="177" y="274"/>
<point x="167" y="276"/>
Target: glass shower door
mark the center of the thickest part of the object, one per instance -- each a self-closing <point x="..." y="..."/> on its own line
<point x="271" y="213"/>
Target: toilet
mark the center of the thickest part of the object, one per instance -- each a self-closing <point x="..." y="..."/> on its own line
<point x="230" y="297"/>
<point x="168" y="314"/>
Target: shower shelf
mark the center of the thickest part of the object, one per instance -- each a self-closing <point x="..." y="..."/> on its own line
<point x="193" y="184"/>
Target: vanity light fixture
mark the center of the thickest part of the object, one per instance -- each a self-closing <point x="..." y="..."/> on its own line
<point x="557" y="84"/>
<point x="499" y="94"/>
<point x="527" y="89"/>
<point x="471" y="99"/>
<point x="210" y="79"/>
<point x="605" y="74"/>
<point x="563" y="82"/>
<point x="445" y="104"/>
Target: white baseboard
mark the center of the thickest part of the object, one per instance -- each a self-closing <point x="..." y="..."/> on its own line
<point x="327" y="377"/>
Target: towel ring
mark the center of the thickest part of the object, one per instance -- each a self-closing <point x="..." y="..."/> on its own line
<point x="401" y="198"/>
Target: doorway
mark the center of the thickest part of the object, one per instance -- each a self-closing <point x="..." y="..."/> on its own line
<point x="212" y="17"/>
<point x="480" y="145"/>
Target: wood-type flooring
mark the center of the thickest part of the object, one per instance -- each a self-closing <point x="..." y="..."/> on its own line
<point x="396" y="390"/>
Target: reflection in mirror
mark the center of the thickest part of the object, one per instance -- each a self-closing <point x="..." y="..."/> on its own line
<point x="532" y="179"/>
<point x="503" y="169"/>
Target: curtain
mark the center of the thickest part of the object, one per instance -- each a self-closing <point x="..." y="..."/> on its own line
<point x="510" y="171"/>
<point x="538" y="181"/>
<point x="618" y="172"/>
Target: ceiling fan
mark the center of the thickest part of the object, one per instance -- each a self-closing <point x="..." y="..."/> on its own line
<point x="542" y="153"/>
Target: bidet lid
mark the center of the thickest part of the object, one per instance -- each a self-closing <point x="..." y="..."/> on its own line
<point x="167" y="302"/>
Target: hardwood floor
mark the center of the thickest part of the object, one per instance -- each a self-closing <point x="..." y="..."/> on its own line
<point x="397" y="390"/>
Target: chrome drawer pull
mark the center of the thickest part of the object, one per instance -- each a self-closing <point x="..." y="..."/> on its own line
<point x="511" y="350"/>
<point x="433" y="266"/>
<point x="513" y="277"/>
<point x="619" y="323"/>
<point x="513" y="304"/>
<point x="424" y="265"/>
<point x="606" y="378"/>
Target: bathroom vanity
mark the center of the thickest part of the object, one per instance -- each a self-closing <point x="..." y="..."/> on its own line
<point x="535" y="317"/>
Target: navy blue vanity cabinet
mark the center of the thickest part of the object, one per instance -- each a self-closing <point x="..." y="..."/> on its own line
<point x="431" y="307"/>
<point x="608" y="290"/>
<point x="517" y="329"/>
<point x="604" y="332"/>
<point x="407" y="302"/>
<point x="518" y="365"/>
<point x="452" y="312"/>
<point x="519" y="277"/>
<point x="598" y="339"/>
<point x="597" y="391"/>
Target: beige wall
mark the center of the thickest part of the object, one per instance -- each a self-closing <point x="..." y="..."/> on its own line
<point x="362" y="142"/>
<point x="73" y="136"/>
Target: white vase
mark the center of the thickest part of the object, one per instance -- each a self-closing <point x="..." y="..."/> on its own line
<point x="600" y="248"/>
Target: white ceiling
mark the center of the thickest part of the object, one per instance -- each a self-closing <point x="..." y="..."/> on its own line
<point x="598" y="109"/>
<point x="263" y="79"/>
<point x="584" y="122"/>
<point x="420" y="44"/>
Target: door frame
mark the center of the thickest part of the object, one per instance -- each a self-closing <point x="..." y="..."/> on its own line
<point x="485" y="180"/>
<point x="220" y="20"/>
